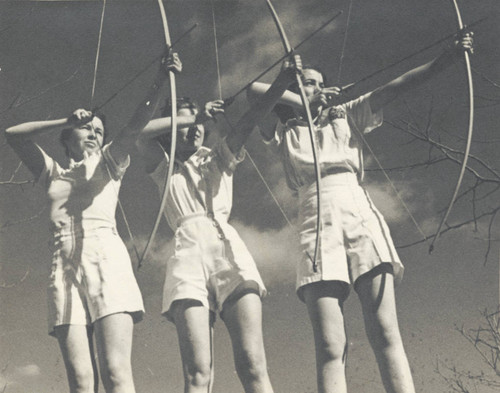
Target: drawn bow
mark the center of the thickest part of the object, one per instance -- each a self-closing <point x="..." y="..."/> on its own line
<point x="168" y="180"/>
<point x="305" y="103"/>
<point x="469" y="132"/>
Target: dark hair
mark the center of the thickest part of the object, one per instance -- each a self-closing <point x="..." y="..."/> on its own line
<point x="66" y="133"/>
<point x="182" y="103"/>
<point x="165" y="140"/>
<point x="285" y="112"/>
<point x="295" y="88"/>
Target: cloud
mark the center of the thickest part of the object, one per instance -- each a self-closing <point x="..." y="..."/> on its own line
<point x="389" y="204"/>
<point x="275" y="251"/>
<point x="18" y="374"/>
<point x="263" y="40"/>
<point x="27" y="371"/>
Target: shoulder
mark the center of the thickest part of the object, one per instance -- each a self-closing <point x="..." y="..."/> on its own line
<point x="117" y="168"/>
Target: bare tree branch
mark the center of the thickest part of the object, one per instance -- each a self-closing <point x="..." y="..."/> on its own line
<point x="486" y="341"/>
<point x="22" y="221"/>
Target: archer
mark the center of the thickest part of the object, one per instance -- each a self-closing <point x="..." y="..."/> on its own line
<point x="355" y="245"/>
<point x="92" y="293"/>
<point x="211" y="270"/>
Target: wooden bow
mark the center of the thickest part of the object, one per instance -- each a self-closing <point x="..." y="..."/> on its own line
<point x="305" y="103"/>
<point x="168" y="180"/>
<point x="469" y="132"/>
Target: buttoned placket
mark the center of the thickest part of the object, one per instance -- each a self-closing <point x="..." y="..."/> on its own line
<point x="206" y="202"/>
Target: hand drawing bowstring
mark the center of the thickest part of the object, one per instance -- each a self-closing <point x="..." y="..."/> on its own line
<point x="288" y="52"/>
<point x="351" y="85"/>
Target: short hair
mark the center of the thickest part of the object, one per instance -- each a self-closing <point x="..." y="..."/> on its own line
<point x="66" y="133"/>
<point x="182" y="103"/>
<point x="285" y="112"/>
<point x="294" y="86"/>
<point x="165" y="140"/>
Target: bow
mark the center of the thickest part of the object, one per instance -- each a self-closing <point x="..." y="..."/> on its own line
<point x="305" y="103"/>
<point x="94" y="80"/>
<point x="469" y="132"/>
<point x="168" y="180"/>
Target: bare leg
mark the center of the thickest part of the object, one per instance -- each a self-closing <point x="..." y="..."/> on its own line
<point x="114" y="345"/>
<point x="324" y="302"/>
<point x="243" y="319"/>
<point x="194" y="324"/>
<point x="376" y="293"/>
<point x="78" y="354"/>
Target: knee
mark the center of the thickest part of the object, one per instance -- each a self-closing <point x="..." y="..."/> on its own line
<point x="332" y="349"/>
<point x="117" y="373"/>
<point x="251" y="364"/>
<point x="384" y="336"/>
<point x="82" y="379"/>
<point x="198" y="375"/>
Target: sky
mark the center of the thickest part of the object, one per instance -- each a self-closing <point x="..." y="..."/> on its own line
<point x="48" y="51"/>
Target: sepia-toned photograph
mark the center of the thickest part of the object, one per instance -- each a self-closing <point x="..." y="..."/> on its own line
<point x="254" y="196"/>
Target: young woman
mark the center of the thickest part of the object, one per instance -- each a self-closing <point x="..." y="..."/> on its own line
<point x="92" y="289"/>
<point x="355" y="245"/>
<point x="211" y="270"/>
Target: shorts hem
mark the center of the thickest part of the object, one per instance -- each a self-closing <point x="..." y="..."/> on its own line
<point x="397" y="270"/>
<point x="242" y="287"/>
<point x="345" y="284"/>
<point x="137" y="316"/>
<point x="313" y="279"/>
<point x="166" y="310"/>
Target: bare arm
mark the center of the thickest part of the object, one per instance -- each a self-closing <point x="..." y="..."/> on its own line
<point x="258" y="89"/>
<point x="20" y="138"/>
<point x="261" y="107"/>
<point x="149" y="148"/>
<point x="390" y="91"/>
<point x="124" y="143"/>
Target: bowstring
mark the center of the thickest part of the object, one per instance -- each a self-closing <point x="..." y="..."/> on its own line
<point x="365" y="142"/>
<point x="216" y="46"/>
<point x="388" y="179"/>
<point x="259" y="173"/>
<point x="92" y="96"/>
<point x="98" y="51"/>
<point x="341" y="59"/>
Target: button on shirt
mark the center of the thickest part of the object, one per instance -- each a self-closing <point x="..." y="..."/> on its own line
<point x="337" y="138"/>
<point x="201" y="184"/>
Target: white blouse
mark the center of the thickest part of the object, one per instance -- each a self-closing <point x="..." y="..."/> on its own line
<point x="338" y="141"/>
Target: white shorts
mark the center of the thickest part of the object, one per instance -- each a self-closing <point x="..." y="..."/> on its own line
<point x="210" y="262"/>
<point x="355" y="238"/>
<point x="91" y="277"/>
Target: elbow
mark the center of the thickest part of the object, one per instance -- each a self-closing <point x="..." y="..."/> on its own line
<point x="140" y="143"/>
<point x="255" y="90"/>
<point x="8" y="132"/>
<point x="251" y="93"/>
<point x="11" y="136"/>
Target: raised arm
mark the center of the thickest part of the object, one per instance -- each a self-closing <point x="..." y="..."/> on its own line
<point x="147" y="143"/>
<point x="390" y="91"/>
<point x="20" y="137"/>
<point x="124" y="142"/>
<point x="163" y="125"/>
<point x="263" y="105"/>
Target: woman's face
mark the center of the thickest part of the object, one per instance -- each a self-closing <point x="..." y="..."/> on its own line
<point x="312" y="81"/>
<point x="190" y="138"/>
<point x="85" y="138"/>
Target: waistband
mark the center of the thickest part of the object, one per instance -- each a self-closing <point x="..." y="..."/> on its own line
<point x="79" y="232"/>
<point x="201" y="215"/>
<point x="336" y="170"/>
<point x="340" y="178"/>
